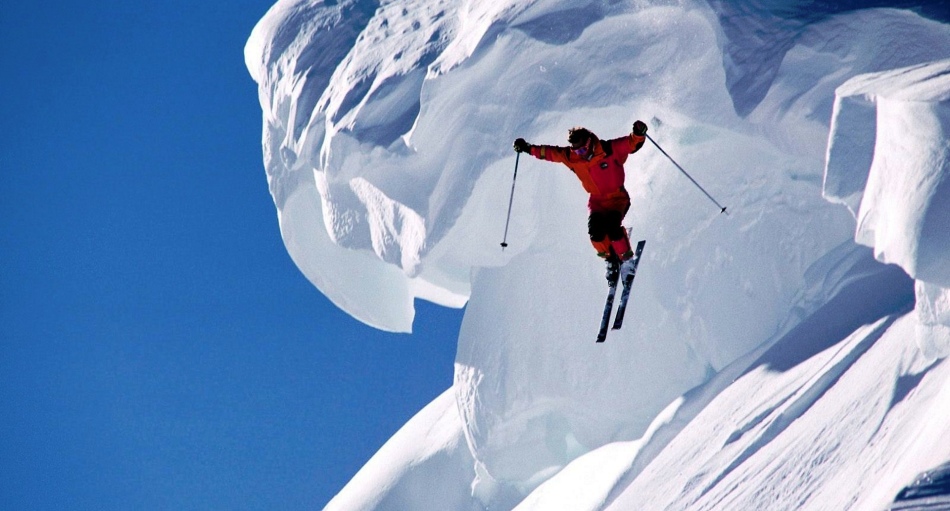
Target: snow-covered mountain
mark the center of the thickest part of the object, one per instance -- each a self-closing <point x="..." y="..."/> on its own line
<point x="790" y="355"/>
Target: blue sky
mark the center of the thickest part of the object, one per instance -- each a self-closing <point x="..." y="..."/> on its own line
<point x="158" y="348"/>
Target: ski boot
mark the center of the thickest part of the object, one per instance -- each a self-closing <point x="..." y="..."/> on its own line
<point x="613" y="269"/>
<point x="627" y="265"/>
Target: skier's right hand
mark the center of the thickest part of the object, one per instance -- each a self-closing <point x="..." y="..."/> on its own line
<point x="521" y="146"/>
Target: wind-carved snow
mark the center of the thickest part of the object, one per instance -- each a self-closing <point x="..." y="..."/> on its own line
<point x="387" y="145"/>
<point x="889" y="162"/>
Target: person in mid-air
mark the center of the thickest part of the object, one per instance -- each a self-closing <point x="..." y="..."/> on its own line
<point x="599" y="166"/>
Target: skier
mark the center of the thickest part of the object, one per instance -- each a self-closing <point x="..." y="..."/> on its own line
<point x="599" y="166"/>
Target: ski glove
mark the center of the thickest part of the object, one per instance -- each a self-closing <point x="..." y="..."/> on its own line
<point x="521" y="146"/>
<point x="639" y="128"/>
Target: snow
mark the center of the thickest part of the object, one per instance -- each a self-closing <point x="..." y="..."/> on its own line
<point x="770" y="359"/>
<point x="835" y="437"/>
<point x="435" y="471"/>
<point x="929" y="489"/>
<point x="889" y="161"/>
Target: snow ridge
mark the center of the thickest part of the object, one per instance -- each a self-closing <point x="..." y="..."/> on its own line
<point x="898" y="185"/>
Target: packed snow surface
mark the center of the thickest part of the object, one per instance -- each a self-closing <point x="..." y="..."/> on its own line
<point x="769" y="359"/>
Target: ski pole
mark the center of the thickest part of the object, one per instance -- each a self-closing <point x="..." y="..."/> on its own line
<point x="722" y="209"/>
<point x="504" y="242"/>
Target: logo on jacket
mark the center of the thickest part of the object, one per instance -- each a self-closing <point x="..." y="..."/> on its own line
<point x="603" y="165"/>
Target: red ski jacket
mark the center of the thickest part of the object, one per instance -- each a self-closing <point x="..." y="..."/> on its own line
<point x="602" y="174"/>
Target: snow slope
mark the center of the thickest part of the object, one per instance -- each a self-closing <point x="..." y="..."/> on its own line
<point x="768" y="360"/>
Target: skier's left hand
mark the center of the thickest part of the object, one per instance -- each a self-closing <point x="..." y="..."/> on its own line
<point x="639" y="128"/>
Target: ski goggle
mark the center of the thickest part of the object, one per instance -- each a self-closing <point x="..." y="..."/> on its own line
<point x="582" y="149"/>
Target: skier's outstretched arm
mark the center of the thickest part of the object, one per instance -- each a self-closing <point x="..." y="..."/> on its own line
<point x="553" y="153"/>
<point x="633" y="142"/>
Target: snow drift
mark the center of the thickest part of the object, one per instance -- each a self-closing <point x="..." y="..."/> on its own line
<point x="387" y="143"/>
<point x="889" y="162"/>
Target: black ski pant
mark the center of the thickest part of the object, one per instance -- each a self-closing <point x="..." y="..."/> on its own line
<point x="601" y="224"/>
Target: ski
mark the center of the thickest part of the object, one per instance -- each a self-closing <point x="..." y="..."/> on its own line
<point x="627" y="284"/>
<point x="608" y="308"/>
